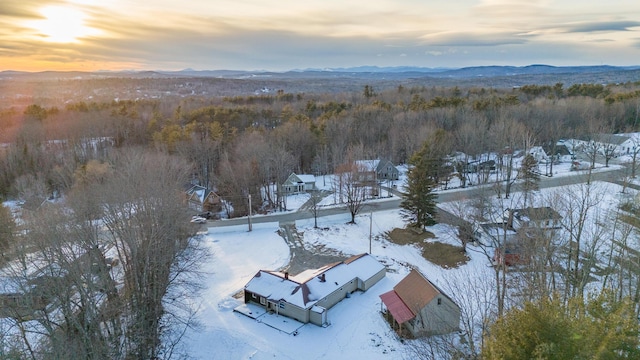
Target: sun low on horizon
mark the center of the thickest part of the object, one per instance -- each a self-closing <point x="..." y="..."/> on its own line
<point x="61" y="24"/>
<point x="39" y="35"/>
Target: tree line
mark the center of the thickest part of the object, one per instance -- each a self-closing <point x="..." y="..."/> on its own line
<point x="239" y="145"/>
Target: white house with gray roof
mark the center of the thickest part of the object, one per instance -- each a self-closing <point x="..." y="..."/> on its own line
<point x="307" y="296"/>
<point x="299" y="183"/>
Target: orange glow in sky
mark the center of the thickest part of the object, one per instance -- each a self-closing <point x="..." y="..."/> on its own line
<point x="38" y="35"/>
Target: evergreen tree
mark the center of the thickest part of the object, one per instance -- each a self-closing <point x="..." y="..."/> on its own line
<point x="419" y="204"/>
<point x="7" y="229"/>
<point x="603" y="328"/>
<point x="368" y="91"/>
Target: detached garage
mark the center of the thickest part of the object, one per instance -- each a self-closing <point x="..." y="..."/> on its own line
<point x="417" y="305"/>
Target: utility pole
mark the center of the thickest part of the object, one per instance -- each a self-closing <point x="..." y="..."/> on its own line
<point x="249" y="217"/>
<point x="370" y="229"/>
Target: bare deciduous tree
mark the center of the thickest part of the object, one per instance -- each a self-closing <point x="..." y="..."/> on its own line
<point x="349" y="186"/>
<point x="148" y="228"/>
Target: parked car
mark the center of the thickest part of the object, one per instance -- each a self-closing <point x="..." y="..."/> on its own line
<point x="198" y="220"/>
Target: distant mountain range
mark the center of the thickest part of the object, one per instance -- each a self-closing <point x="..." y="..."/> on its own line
<point x="353" y="77"/>
<point x="413" y="71"/>
<point x="409" y="71"/>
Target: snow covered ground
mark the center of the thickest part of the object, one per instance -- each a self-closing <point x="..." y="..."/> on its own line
<point x="357" y="329"/>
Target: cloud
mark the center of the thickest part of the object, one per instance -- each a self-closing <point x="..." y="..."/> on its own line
<point x="603" y="26"/>
<point x="255" y="35"/>
<point x="511" y="9"/>
<point x="473" y="39"/>
<point x="27" y="9"/>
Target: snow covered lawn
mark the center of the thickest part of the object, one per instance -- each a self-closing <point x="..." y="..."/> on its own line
<point x="357" y="329"/>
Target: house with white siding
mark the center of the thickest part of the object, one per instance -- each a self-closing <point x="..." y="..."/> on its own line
<point x="299" y="183"/>
<point x="308" y="296"/>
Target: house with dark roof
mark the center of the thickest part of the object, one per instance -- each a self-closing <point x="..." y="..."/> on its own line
<point x="376" y="170"/>
<point x="517" y="238"/>
<point x="199" y="198"/>
<point x="419" y="306"/>
<point x="541" y="218"/>
<point x="308" y="296"/>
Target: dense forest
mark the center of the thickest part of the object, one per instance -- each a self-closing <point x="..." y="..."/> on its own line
<point x="237" y="145"/>
<point x="124" y="161"/>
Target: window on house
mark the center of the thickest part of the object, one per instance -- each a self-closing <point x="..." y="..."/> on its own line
<point x="263" y="301"/>
<point x="281" y="305"/>
<point x="439" y="301"/>
<point x="253" y="296"/>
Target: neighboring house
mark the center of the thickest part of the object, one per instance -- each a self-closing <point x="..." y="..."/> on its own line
<point x="560" y="152"/>
<point x="630" y="145"/>
<point x="480" y="166"/>
<point x="515" y="239"/>
<point x="614" y="144"/>
<point x="308" y="296"/>
<point x="539" y="154"/>
<point x="376" y="170"/>
<point x="296" y="184"/>
<point x="504" y="239"/>
<point x="387" y="171"/>
<point x="419" y="306"/>
<point x="544" y="218"/>
<point x="201" y="199"/>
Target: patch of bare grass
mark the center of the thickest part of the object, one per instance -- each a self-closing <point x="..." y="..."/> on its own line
<point x="408" y="236"/>
<point x="445" y="255"/>
<point x="441" y="254"/>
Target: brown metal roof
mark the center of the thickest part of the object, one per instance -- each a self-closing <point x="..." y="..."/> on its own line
<point x="398" y="309"/>
<point x="416" y="291"/>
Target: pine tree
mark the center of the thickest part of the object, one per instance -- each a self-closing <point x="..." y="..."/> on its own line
<point x="602" y="327"/>
<point x="7" y="229"/>
<point x="419" y="204"/>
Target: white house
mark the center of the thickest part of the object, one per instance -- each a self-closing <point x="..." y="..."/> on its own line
<point x="539" y="154"/>
<point x="308" y="296"/>
<point x="630" y="145"/>
<point x="299" y="183"/>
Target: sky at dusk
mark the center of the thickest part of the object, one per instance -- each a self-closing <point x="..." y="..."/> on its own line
<point x="86" y="35"/>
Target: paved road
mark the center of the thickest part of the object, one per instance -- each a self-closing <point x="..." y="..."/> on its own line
<point x="600" y="174"/>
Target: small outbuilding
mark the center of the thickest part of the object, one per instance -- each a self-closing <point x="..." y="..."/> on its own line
<point x="417" y="305"/>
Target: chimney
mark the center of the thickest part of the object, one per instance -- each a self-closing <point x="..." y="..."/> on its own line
<point x="323" y="278"/>
<point x="286" y="275"/>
